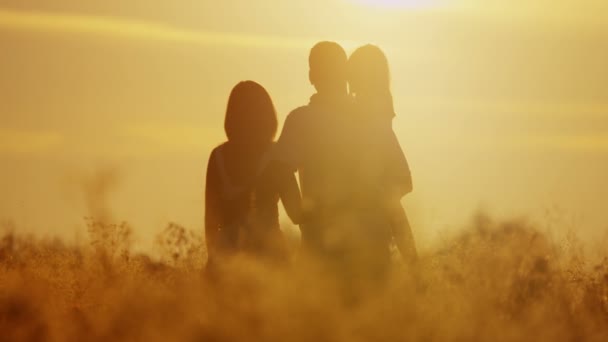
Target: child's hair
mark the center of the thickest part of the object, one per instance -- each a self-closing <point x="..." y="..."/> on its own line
<point x="368" y="70"/>
<point x="250" y="115"/>
<point x="369" y="77"/>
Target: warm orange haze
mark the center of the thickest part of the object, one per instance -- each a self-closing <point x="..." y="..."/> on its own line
<point x="109" y="111"/>
<point x="499" y="106"/>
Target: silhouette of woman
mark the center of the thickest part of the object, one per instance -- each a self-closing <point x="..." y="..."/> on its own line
<point x="241" y="204"/>
<point x="369" y="83"/>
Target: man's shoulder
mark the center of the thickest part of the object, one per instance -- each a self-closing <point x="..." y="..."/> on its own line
<point x="299" y="113"/>
<point x="300" y="119"/>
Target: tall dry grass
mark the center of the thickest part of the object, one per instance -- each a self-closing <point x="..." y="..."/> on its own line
<point x="493" y="282"/>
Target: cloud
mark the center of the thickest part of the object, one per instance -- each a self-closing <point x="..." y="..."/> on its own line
<point x="135" y="29"/>
<point x="26" y="142"/>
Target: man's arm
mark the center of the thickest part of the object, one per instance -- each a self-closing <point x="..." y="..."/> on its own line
<point x="289" y="193"/>
<point x="286" y="151"/>
<point x="289" y="149"/>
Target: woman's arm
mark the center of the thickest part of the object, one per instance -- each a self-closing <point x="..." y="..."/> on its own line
<point x="212" y="208"/>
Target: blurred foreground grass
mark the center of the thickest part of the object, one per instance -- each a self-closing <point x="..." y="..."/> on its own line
<point x="493" y="282"/>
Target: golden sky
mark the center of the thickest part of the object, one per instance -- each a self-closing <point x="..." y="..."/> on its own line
<point x="501" y="104"/>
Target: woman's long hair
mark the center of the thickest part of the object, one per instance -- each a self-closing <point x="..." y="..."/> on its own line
<point x="369" y="78"/>
<point x="251" y="118"/>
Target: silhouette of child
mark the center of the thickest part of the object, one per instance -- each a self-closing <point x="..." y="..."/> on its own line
<point x="369" y="80"/>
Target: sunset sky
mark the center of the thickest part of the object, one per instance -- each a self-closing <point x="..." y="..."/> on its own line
<point x="501" y="105"/>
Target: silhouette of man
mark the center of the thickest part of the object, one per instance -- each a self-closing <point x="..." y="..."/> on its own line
<point x="309" y="144"/>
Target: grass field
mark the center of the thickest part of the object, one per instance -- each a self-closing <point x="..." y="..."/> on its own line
<point x="493" y="282"/>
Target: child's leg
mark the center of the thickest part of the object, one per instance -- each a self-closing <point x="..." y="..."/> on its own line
<point x="402" y="232"/>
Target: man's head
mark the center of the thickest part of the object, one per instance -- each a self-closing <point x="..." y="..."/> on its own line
<point x="327" y="62"/>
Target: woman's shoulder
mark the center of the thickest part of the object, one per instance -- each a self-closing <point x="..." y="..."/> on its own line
<point x="217" y="154"/>
<point x="219" y="148"/>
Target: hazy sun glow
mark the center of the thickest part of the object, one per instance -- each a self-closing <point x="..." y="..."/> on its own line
<point x="400" y="3"/>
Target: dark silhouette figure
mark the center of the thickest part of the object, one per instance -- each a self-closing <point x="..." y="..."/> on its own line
<point x="241" y="204"/>
<point x="352" y="170"/>
<point x="383" y="163"/>
<point x="308" y="144"/>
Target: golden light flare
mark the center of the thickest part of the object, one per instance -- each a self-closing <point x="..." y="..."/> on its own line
<point x="136" y="29"/>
